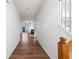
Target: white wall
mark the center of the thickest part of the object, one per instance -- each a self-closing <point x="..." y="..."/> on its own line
<point x="12" y="28"/>
<point x="49" y="31"/>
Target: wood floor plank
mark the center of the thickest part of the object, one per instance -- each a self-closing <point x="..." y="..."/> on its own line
<point x="29" y="50"/>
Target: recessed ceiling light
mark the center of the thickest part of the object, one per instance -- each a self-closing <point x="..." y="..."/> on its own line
<point x="28" y="8"/>
<point x="7" y="1"/>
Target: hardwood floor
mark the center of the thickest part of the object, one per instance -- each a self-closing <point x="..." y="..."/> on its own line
<point x="29" y="49"/>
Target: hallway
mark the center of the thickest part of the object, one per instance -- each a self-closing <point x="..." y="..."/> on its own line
<point x="29" y="49"/>
<point x="41" y="17"/>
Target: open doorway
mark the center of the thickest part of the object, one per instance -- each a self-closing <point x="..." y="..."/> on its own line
<point x="28" y="27"/>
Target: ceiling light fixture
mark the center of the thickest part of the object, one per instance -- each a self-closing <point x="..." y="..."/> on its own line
<point x="7" y="1"/>
<point x="28" y="8"/>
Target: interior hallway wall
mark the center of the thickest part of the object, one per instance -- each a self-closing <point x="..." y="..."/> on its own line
<point x="48" y="31"/>
<point x="12" y="28"/>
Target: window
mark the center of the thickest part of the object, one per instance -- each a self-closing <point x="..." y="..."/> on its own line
<point x="65" y="14"/>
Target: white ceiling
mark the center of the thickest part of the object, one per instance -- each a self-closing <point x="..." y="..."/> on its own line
<point x="28" y="8"/>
